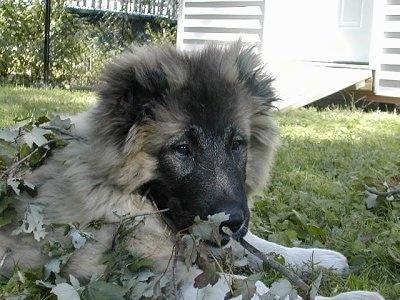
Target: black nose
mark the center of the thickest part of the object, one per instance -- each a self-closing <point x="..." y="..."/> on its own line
<point x="235" y="222"/>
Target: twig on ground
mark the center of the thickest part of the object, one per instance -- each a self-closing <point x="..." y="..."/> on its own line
<point x="269" y="259"/>
<point x="124" y="218"/>
<point x="62" y="131"/>
<point x="131" y="217"/>
<point x="176" y="250"/>
<point x="3" y="259"/>
<point x="378" y="193"/>
<point x="14" y="167"/>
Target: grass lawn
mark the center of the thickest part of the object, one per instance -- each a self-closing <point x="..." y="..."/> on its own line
<point x="316" y="197"/>
<point x="19" y="102"/>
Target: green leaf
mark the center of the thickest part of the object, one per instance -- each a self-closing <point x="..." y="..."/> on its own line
<point x="218" y="218"/>
<point x="370" y="201"/>
<point x="317" y="233"/>
<point x="201" y="229"/>
<point x="101" y="290"/>
<point x="204" y="229"/>
<point x="65" y="291"/>
<point x="41" y="120"/>
<point x="32" y="223"/>
<point x="74" y="281"/>
<point x="7" y="217"/>
<point x="300" y="217"/>
<point x="7" y="153"/>
<point x="315" y="286"/>
<point x="8" y="135"/>
<point x="78" y="239"/>
<point x="3" y="188"/>
<point x="281" y="288"/>
<point x="209" y="275"/>
<point x="24" y="150"/>
<point x="14" y="183"/>
<point x="29" y="187"/>
<point x="36" y="136"/>
<point x="55" y="265"/>
<point x="5" y="202"/>
<point x="190" y="251"/>
<point x="245" y="287"/>
<point x="60" y="123"/>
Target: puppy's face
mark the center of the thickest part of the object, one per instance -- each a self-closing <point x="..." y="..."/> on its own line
<point x="193" y="129"/>
<point x="202" y="166"/>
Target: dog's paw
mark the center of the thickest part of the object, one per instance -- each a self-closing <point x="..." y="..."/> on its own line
<point x="355" y="295"/>
<point x="305" y="259"/>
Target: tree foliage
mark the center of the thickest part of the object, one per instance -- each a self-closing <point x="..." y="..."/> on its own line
<point x="78" y="46"/>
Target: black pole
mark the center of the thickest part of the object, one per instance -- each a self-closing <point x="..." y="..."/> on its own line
<point x="47" y="43"/>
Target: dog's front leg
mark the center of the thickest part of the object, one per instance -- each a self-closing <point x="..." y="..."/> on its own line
<point x="301" y="258"/>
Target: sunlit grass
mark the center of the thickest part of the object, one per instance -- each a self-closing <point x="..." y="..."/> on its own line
<point x="20" y="102"/>
<point x="324" y="159"/>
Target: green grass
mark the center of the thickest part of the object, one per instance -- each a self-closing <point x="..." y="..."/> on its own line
<point x="316" y="196"/>
<point x="19" y="102"/>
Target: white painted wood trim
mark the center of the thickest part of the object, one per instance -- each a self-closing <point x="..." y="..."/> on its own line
<point x="236" y="11"/>
<point x="180" y="29"/>
<point x="205" y="1"/>
<point x="390" y="59"/>
<point x="223" y="23"/>
<point x="224" y="37"/>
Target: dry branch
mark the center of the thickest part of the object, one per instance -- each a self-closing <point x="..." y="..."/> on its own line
<point x="13" y="169"/>
<point x="270" y="260"/>
<point x="379" y="193"/>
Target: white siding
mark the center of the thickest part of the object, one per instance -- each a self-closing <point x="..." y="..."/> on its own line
<point x="204" y="21"/>
<point x="388" y="70"/>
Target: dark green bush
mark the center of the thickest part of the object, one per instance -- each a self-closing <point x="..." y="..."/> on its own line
<point x="79" y="45"/>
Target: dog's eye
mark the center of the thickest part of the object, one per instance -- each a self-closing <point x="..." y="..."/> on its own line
<point x="183" y="150"/>
<point x="237" y="145"/>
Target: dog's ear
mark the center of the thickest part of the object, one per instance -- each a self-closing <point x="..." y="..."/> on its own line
<point x="251" y="71"/>
<point x="130" y="83"/>
<point x="129" y="88"/>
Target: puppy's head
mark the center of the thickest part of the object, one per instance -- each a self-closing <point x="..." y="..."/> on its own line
<point x="195" y="129"/>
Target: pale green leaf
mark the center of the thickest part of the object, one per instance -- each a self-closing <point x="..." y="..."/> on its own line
<point x="74" y="281"/>
<point x="36" y="136"/>
<point x="7" y="217"/>
<point x="281" y="288"/>
<point x="32" y="223"/>
<point x="60" y="123"/>
<point x="14" y="183"/>
<point x="218" y="218"/>
<point x="244" y="287"/>
<point x="370" y="201"/>
<point x="101" y="290"/>
<point x="8" y="135"/>
<point x="78" y="239"/>
<point x="315" y="286"/>
<point x="65" y="291"/>
<point x="53" y="266"/>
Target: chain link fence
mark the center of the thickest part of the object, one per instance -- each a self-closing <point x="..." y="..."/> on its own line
<point x="84" y="34"/>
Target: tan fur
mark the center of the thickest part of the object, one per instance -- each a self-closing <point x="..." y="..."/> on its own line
<point x="94" y="179"/>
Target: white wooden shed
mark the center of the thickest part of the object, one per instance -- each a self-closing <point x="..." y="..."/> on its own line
<point x="313" y="47"/>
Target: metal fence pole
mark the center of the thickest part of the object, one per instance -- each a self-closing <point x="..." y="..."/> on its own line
<point x="47" y="42"/>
